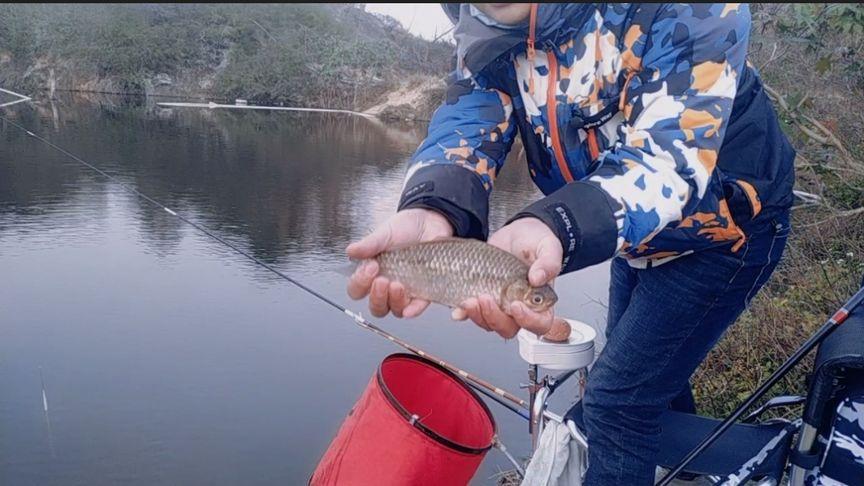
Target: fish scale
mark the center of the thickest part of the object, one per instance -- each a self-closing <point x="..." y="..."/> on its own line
<point x="449" y="271"/>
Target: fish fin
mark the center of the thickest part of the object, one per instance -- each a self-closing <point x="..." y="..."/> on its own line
<point x="346" y="269"/>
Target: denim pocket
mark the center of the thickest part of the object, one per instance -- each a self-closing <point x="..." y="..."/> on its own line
<point x="775" y="240"/>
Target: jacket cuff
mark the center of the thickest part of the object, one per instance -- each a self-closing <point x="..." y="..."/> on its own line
<point x="582" y="216"/>
<point x="454" y="192"/>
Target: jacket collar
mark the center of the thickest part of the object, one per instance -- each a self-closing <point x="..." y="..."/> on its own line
<point x="479" y="42"/>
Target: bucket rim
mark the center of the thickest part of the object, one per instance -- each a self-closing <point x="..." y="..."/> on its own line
<point x="418" y="424"/>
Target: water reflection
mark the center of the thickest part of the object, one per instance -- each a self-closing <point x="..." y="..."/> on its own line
<point x="170" y="360"/>
<point x="286" y="183"/>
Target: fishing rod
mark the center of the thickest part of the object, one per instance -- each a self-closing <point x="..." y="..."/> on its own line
<point x="498" y="394"/>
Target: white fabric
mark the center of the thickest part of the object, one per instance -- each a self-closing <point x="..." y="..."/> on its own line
<point x="557" y="461"/>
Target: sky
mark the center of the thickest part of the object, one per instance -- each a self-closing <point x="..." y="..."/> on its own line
<point x="425" y="20"/>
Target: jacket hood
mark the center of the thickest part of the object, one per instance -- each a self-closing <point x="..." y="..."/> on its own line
<point x="479" y="42"/>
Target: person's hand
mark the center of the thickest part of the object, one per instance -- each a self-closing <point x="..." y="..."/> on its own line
<point x="530" y="240"/>
<point x="403" y="228"/>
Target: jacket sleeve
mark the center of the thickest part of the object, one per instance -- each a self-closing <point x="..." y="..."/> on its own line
<point x="453" y="170"/>
<point x="676" y="110"/>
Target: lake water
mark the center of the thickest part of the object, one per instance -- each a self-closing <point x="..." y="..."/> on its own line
<point x="169" y="359"/>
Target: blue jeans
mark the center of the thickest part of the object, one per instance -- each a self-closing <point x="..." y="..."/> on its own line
<point x="662" y="323"/>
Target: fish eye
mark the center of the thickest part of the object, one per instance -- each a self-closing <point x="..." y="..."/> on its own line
<point x="537" y="299"/>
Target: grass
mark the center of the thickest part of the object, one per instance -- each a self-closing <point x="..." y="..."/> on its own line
<point x="824" y="259"/>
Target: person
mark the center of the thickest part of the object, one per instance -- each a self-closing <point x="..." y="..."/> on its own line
<point x="655" y="146"/>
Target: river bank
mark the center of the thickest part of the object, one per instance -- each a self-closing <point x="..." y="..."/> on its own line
<point x="326" y="56"/>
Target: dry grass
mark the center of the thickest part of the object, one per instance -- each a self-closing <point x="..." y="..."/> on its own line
<point x="824" y="259"/>
<point x="817" y="70"/>
<point x="820" y="270"/>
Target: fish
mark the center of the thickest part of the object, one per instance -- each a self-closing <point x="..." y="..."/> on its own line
<point x="448" y="271"/>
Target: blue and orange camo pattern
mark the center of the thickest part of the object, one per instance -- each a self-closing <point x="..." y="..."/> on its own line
<point x="673" y="83"/>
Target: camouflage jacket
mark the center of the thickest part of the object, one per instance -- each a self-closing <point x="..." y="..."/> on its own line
<point x="643" y="125"/>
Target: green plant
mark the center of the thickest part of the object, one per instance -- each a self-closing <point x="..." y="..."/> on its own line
<point x="335" y="55"/>
<point x="811" y="21"/>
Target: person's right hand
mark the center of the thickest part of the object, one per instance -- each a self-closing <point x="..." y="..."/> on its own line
<point x="403" y="228"/>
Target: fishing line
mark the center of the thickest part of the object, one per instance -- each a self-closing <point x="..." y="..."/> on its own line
<point x="494" y="392"/>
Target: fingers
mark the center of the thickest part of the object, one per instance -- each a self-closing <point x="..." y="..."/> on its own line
<point x="379" y="297"/>
<point x="472" y="310"/>
<point x="484" y="311"/>
<point x="538" y="323"/>
<point x="531" y="241"/>
<point x="397" y="298"/>
<point x="371" y="245"/>
<point x="547" y="265"/>
<point x="384" y="296"/>
<point x="406" y="226"/>
<point x="415" y="308"/>
<point x="560" y="332"/>
<point x="497" y="320"/>
<point x="361" y="281"/>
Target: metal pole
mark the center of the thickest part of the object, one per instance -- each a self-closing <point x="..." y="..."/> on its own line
<point x="833" y="323"/>
<point x="806" y="438"/>
<point x="532" y="396"/>
<point x="553" y="382"/>
<point x="538" y="416"/>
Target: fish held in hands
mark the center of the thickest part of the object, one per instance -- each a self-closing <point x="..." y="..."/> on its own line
<point x="451" y="270"/>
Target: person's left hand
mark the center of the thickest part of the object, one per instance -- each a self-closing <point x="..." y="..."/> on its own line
<point x="530" y="240"/>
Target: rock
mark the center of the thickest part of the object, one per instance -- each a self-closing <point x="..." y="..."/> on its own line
<point x="162" y="79"/>
<point x="398" y="113"/>
<point x="415" y="100"/>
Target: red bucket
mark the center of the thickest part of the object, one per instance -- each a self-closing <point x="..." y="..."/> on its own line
<point x="416" y="423"/>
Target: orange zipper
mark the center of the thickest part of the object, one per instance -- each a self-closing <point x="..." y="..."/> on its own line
<point x="593" y="147"/>
<point x="552" y="115"/>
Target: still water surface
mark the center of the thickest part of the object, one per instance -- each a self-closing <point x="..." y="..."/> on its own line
<point x="167" y="358"/>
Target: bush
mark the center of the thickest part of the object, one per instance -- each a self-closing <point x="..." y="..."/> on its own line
<point x="338" y="55"/>
<point x="810" y="19"/>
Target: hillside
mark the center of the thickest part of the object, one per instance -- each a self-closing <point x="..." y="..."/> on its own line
<point x="338" y="56"/>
